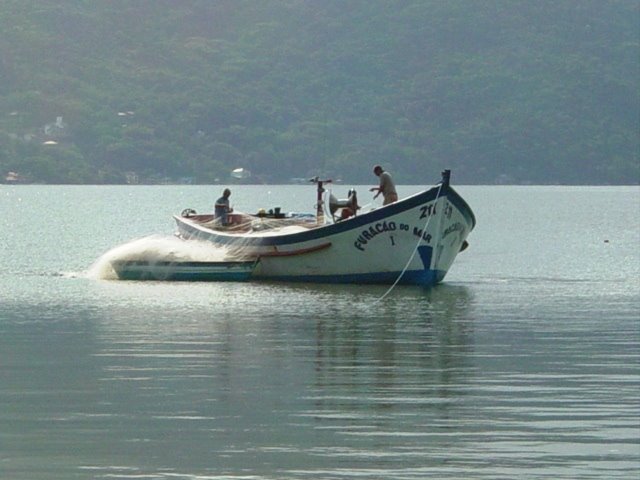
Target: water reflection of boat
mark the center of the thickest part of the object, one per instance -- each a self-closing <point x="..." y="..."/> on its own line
<point x="413" y="353"/>
<point x="412" y="241"/>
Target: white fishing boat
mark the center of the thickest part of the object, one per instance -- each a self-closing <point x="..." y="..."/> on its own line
<point x="412" y="241"/>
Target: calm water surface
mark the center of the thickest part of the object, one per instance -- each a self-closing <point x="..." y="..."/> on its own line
<point x="525" y="363"/>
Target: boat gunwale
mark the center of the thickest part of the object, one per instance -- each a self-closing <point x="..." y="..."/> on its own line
<point x="323" y="231"/>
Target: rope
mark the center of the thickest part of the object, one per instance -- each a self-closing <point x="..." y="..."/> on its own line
<point x="413" y="254"/>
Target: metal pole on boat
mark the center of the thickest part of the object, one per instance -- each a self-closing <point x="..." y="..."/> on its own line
<point x="446" y="177"/>
<point x="319" y="202"/>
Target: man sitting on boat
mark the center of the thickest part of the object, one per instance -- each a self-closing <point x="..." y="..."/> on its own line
<point x="222" y="208"/>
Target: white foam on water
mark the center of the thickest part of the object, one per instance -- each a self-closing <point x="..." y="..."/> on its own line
<point x="155" y="248"/>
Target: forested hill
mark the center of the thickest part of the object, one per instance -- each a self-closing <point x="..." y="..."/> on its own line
<point x="514" y="91"/>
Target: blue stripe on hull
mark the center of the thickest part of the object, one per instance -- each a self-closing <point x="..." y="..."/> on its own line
<point x="184" y="271"/>
<point x="413" y="277"/>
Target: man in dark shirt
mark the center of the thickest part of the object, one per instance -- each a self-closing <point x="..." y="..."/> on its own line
<point x="222" y="208"/>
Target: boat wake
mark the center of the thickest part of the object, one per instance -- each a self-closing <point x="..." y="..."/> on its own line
<point x="155" y="249"/>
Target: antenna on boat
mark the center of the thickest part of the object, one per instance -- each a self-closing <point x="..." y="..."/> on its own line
<point x="320" y="203"/>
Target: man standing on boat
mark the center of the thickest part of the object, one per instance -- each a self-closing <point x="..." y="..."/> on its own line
<point x="387" y="188"/>
<point x="222" y="208"/>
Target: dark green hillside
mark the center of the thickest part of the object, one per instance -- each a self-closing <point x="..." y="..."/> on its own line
<point x="161" y="90"/>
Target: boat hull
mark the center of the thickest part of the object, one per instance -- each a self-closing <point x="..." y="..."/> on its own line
<point x="412" y="241"/>
<point x="184" y="271"/>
